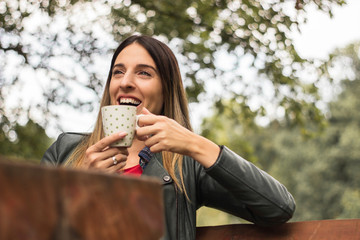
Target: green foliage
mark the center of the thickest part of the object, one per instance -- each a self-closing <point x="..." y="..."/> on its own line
<point x="67" y="40"/>
<point x="24" y="143"/>
<point x="351" y="204"/>
<point x="212" y="217"/>
<point x="321" y="171"/>
<point x="225" y="127"/>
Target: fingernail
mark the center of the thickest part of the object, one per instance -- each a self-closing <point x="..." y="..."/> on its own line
<point x="122" y="134"/>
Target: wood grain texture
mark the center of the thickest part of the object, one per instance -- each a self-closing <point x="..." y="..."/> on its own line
<point x="38" y="202"/>
<point x="347" y="229"/>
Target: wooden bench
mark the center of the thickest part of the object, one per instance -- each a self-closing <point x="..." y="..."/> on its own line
<point x="40" y="203"/>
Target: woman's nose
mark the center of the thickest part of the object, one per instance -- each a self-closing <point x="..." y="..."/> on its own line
<point x="127" y="82"/>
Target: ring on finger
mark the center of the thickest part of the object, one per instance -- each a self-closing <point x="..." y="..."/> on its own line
<point x="114" y="160"/>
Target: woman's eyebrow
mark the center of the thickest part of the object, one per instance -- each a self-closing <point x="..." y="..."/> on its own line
<point x="118" y="65"/>
<point x="148" y="66"/>
<point x="139" y="65"/>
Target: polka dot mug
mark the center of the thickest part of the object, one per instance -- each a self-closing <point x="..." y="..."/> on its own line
<point x="120" y="118"/>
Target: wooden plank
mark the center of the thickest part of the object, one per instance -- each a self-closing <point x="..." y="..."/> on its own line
<point x="38" y="202"/>
<point x="347" y="229"/>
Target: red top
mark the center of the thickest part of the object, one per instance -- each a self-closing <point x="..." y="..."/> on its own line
<point x="133" y="171"/>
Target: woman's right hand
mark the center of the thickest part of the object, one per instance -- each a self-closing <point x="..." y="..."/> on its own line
<point x="100" y="156"/>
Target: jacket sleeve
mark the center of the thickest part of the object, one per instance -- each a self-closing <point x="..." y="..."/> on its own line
<point x="236" y="186"/>
<point x="61" y="149"/>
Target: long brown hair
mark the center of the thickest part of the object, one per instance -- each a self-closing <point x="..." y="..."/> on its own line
<point x="175" y="102"/>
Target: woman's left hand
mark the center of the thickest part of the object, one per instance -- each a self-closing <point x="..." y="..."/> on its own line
<point x="161" y="133"/>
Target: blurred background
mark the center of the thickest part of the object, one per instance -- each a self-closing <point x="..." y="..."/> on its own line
<point x="276" y="81"/>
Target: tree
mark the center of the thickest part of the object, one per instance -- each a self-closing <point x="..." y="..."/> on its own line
<point x="323" y="172"/>
<point x="60" y="49"/>
<point x="320" y="171"/>
<point x="27" y="142"/>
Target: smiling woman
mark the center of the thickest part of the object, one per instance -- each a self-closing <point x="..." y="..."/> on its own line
<point x="194" y="170"/>
<point x="135" y="79"/>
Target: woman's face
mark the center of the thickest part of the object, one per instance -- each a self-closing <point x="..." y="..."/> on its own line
<point x="135" y="80"/>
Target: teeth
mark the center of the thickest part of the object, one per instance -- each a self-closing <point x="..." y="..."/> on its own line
<point x="129" y="100"/>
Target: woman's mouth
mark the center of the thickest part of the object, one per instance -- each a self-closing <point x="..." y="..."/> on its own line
<point x="128" y="101"/>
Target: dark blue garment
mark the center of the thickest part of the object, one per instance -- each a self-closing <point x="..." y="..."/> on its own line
<point x="145" y="156"/>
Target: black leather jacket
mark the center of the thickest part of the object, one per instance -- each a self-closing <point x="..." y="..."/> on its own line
<point x="232" y="184"/>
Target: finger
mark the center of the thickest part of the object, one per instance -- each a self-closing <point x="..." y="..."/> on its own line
<point x="146" y="120"/>
<point x="145" y="111"/>
<point x="153" y="141"/>
<point x="113" y="151"/>
<point x="123" y="150"/>
<point x="116" y="168"/>
<point x="98" y="159"/>
<point x="157" y="147"/>
<point x="109" y="162"/>
<point x="118" y="160"/>
<point x="157" y="122"/>
<point x="107" y="141"/>
<point x="142" y="137"/>
<point x="145" y="132"/>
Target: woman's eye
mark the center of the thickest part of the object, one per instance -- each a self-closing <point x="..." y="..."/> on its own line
<point x="117" y="72"/>
<point x="145" y="73"/>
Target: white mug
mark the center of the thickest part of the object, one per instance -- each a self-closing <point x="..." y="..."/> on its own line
<point x="120" y="118"/>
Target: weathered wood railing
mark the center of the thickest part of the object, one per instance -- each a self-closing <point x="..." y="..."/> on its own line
<point x="41" y="203"/>
<point x="347" y="229"/>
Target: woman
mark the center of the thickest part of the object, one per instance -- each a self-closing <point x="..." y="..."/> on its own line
<point x="194" y="170"/>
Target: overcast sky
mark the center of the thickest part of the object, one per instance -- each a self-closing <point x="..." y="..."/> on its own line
<point x="321" y="35"/>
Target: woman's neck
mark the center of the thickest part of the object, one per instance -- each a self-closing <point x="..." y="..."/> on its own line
<point x="133" y="158"/>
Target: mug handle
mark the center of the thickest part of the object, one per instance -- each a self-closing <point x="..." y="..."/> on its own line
<point x="137" y="120"/>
